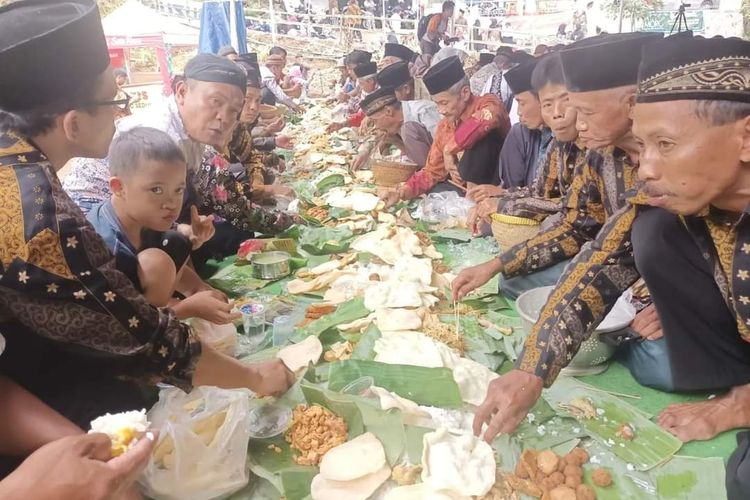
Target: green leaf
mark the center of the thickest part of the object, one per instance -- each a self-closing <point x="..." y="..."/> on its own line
<point x="424" y="386"/>
<point x="651" y="446"/>
<point x="345" y="313"/>
<point x="454" y="234"/>
<point x="689" y="478"/>
<point x="295" y="482"/>
<point x="325" y="240"/>
<point x="365" y="348"/>
<point x="415" y="443"/>
<point x="327" y="183"/>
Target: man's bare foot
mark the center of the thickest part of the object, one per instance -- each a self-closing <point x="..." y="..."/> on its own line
<point x="706" y="419"/>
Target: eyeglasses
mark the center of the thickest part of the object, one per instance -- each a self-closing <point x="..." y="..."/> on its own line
<point x="119" y="103"/>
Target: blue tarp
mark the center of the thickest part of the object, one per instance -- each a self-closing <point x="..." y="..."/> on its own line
<point x="215" y="30"/>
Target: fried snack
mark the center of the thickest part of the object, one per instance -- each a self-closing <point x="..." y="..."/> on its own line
<point x="578" y="456"/>
<point x="339" y="352"/>
<point x="526" y="467"/>
<point x="317" y="311"/>
<point x="405" y="475"/>
<point x="501" y="490"/>
<point x="601" y="478"/>
<point x="626" y="432"/>
<point x="313" y="432"/>
<point x="547" y="462"/>
<point x="318" y="213"/>
<point x="585" y="492"/>
<point x="524" y="486"/>
<point x="562" y="493"/>
<point x="437" y="330"/>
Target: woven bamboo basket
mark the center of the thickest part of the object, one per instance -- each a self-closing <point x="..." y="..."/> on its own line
<point x="268" y="112"/>
<point x="391" y="173"/>
<point x="509" y="230"/>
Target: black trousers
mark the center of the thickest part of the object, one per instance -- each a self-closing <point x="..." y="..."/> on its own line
<point x="706" y="351"/>
<point x="705" y="348"/>
<point x="479" y="164"/>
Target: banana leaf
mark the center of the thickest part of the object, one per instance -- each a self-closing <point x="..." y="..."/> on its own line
<point x="415" y="443"/>
<point x="327" y="183"/>
<point x="424" y="386"/>
<point x="690" y="478"/>
<point x="480" y="346"/>
<point x="236" y="280"/>
<point x="454" y="234"/>
<point x="324" y="240"/>
<point x="362" y="416"/>
<point x="345" y="313"/>
<point x="651" y="446"/>
<point x="365" y="348"/>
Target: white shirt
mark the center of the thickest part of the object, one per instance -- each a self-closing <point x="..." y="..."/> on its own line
<point x="269" y="80"/>
<point x="167" y="118"/>
<point x="504" y="94"/>
<point x="422" y="112"/>
<point x="395" y="21"/>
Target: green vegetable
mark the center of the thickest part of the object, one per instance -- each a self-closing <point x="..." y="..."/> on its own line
<point x="424" y="386"/>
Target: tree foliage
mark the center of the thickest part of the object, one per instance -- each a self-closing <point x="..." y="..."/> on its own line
<point x="634" y="10"/>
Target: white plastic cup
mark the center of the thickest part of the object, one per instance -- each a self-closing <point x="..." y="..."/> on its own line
<point x="283" y="327"/>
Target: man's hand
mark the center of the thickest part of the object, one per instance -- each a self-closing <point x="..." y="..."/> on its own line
<point x="284" y="142"/>
<point x="478" y="194"/>
<point x="508" y="401"/>
<point x="201" y="228"/>
<point x="451" y="165"/>
<point x="276" y="125"/>
<point x="390" y="197"/>
<point x="333" y="127"/>
<point x="210" y="305"/>
<point x="647" y="324"/>
<point x="77" y="468"/>
<point x="360" y="161"/>
<point x="472" y="278"/>
<point x="481" y="214"/>
<point x="270" y="378"/>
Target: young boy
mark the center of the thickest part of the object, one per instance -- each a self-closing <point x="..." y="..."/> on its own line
<point x="148" y="186"/>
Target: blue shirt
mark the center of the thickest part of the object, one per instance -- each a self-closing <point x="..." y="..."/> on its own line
<point x="105" y="221"/>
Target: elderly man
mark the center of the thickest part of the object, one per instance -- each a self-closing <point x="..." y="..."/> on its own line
<point x="527" y="140"/>
<point x="398" y="76"/>
<point x="203" y="112"/>
<point x="395" y="52"/>
<point x="685" y="232"/>
<point x="471" y="126"/>
<point x="410" y="125"/>
<point x="600" y="78"/>
<point x="79" y="336"/>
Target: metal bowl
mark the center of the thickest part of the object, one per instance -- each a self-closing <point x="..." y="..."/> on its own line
<point x="593" y="355"/>
<point x="270" y="265"/>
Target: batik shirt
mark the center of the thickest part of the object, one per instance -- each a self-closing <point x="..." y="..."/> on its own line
<point x="59" y="281"/>
<point x="554" y="176"/>
<point x="242" y="150"/>
<point x="482" y="76"/>
<point x="596" y="193"/>
<point x="491" y="117"/>
<point x="606" y="267"/>
<point x="220" y="193"/>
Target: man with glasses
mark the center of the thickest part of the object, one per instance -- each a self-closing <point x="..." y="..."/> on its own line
<point x="78" y="335"/>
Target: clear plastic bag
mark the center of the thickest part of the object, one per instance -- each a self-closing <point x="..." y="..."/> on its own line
<point x="447" y="208"/>
<point x="222" y="338"/>
<point x="202" y="448"/>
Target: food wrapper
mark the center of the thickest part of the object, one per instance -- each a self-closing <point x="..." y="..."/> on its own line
<point x="202" y="448"/>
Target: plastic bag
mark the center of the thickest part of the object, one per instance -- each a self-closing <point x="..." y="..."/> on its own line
<point x="447" y="208"/>
<point x="223" y="338"/>
<point x="202" y="448"/>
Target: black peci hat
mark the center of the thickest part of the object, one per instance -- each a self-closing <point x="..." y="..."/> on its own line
<point x="211" y="68"/>
<point x="443" y="75"/>
<point x="519" y="78"/>
<point x="366" y="70"/>
<point x="377" y="100"/>
<point x="394" y="75"/>
<point x="682" y="68"/>
<point x="604" y="62"/>
<point x="401" y="51"/>
<point x="42" y="37"/>
<point x="485" y="58"/>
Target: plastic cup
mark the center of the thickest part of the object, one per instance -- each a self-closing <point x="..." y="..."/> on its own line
<point x="283" y="327"/>
<point x="254" y="324"/>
